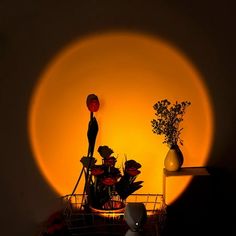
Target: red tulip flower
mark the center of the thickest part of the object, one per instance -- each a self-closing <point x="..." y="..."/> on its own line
<point x="131" y="168"/>
<point x="109" y="181"/>
<point x="132" y="164"/>
<point x="92" y="103"/>
<point x="97" y="171"/>
<point x="111" y="161"/>
<point x="105" y="152"/>
<point x="133" y="171"/>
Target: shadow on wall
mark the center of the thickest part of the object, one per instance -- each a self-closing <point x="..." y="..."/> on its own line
<point x="206" y="207"/>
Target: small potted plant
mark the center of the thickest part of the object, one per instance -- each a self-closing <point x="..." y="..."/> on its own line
<point x="167" y="123"/>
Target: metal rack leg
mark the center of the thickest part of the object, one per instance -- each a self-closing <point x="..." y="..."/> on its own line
<point x="164" y="188"/>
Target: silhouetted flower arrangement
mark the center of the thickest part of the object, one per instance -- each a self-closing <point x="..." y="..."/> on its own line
<point x="168" y="119"/>
<point x="109" y="183"/>
<point x="106" y="187"/>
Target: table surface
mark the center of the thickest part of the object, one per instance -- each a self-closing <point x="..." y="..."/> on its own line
<point x="197" y="171"/>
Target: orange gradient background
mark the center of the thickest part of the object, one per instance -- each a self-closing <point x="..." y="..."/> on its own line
<point x="129" y="72"/>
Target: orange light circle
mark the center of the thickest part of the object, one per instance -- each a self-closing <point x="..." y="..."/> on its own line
<point x="128" y="72"/>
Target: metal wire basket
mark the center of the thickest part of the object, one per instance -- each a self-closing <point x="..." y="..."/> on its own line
<point x="83" y="220"/>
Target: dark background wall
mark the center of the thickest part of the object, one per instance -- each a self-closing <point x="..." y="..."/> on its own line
<point x="31" y="32"/>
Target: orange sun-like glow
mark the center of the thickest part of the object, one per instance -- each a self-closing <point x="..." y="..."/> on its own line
<point x="129" y="73"/>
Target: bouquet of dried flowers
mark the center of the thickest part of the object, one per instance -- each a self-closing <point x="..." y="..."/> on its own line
<point x="168" y="119"/>
<point x="107" y="182"/>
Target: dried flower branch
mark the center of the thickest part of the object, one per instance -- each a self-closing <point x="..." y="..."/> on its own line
<point x="168" y="119"/>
